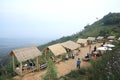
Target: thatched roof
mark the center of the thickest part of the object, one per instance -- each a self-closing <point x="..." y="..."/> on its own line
<point x="100" y="37"/>
<point x="70" y="45"/>
<point x="27" y="53"/>
<point x="57" y="49"/>
<point x="111" y="37"/>
<point x="84" y="41"/>
<point x="91" y="38"/>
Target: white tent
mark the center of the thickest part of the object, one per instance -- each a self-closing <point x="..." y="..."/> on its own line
<point x="104" y="48"/>
<point x="109" y="45"/>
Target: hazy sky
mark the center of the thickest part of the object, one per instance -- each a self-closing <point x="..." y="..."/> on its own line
<point x="50" y="19"/>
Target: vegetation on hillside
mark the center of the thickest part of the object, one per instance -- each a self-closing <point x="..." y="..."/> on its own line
<point x="108" y="25"/>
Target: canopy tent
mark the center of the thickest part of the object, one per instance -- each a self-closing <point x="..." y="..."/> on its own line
<point x="70" y="45"/>
<point x="82" y="41"/>
<point x="111" y="37"/>
<point x="24" y="54"/>
<point x="109" y="45"/>
<point x="57" y="49"/>
<point x="103" y="48"/>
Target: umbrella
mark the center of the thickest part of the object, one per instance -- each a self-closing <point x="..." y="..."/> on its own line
<point x="109" y="45"/>
<point x="104" y="48"/>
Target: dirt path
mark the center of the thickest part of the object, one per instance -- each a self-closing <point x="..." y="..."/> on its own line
<point x="63" y="68"/>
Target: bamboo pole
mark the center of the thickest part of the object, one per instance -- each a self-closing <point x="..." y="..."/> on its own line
<point x="21" y="68"/>
<point x="13" y="60"/>
<point x="37" y="63"/>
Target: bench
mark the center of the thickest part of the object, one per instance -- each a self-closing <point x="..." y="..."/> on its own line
<point x="43" y="66"/>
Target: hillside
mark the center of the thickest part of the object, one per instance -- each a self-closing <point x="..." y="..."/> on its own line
<point x="108" y="25"/>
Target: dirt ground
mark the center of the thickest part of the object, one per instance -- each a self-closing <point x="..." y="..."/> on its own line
<point x="63" y="68"/>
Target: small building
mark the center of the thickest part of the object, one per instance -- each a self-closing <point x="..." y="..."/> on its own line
<point x="22" y="55"/>
<point x="71" y="46"/>
<point x="100" y="38"/>
<point x="111" y="37"/>
<point x="56" y="49"/>
<point x="91" y="40"/>
<point x="82" y="42"/>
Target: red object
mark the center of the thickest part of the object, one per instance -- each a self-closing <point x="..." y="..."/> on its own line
<point x="95" y="57"/>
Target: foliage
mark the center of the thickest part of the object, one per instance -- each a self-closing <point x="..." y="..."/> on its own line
<point x="108" y="25"/>
<point x="51" y="71"/>
<point x="111" y="18"/>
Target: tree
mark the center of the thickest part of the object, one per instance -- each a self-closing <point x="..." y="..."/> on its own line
<point x="51" y="71"/>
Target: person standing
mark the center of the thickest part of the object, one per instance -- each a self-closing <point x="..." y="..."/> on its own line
<point x="78" y="63"/>
<point x="66" y="57"/>
<point x="73" y="55"/>
<point x="94" y="48"/>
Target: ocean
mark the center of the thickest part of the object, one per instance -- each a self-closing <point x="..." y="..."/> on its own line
<point x="7" y="44"/>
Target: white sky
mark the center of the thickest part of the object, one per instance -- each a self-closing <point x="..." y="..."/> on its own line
<point x="50" y="19"/>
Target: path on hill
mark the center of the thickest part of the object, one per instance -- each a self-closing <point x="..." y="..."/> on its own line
<point x="63" y="68"/>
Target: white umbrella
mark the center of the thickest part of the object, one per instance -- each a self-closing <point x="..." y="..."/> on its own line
<point x="109" y="49"/>
<point x="109" y="45"/>
<point x="111" y="40"/>
<point x="102" y="48"/>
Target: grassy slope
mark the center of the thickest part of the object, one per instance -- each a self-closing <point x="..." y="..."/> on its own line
<point x="98" y="28"/>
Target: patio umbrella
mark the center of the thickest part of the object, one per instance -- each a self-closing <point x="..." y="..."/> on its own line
<point x="109" y="45"/>
<point x="104" y="48"/>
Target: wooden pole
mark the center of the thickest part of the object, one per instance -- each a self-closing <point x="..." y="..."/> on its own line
<point x="21" y="68"/>
<point x="13" y="60"/>
<point x="37" y="63"/>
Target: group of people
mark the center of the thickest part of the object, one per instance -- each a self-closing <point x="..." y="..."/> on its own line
<point x="29" y="64"/>
<point x="67" y="56"/>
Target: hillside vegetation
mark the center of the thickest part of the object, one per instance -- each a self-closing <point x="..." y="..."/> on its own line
<point x="108" y="25"/>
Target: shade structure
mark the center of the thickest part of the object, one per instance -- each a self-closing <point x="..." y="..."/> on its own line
<point x="104" y="48"/>
<point x="83" y="41"/>
<point x="27" y="53"/>
<point x="100" y="37"/>
<point x="111" y="37"/>
<point x="70" y="45"/>
<point x="24" y="54"/>
<point x="57" y="49"/>
<point x="109" y="45"/>
<point x="91" y="38"/>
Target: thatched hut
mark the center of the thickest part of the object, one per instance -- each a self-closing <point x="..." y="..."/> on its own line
<point x="57" y="50"/>
<point x="91" y="40"/>
<point x="100" y="38"/>
<point x="24" y="54"/>
<point x="111" y="37"/>
<point x="71" y="46"/>
<point x="82" y="42"/>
